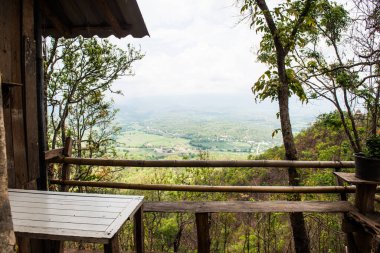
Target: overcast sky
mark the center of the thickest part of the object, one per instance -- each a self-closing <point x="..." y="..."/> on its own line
<point x="195" y="46"/>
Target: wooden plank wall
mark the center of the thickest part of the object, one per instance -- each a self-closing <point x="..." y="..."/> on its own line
<point x="18" y="65"/>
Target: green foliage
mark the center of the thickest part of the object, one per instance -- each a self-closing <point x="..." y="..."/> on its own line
<point x="78" y="73"/>
<point x="325" y="140"/>
<point x="373" y="147"/>
<point x="291" y="32"/>
<point x="333" y="21"/>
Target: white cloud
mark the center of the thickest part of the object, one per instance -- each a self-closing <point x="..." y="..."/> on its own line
<point x="195" y="46"/>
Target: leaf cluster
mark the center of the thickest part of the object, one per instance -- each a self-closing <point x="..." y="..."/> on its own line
<point x="373" y="147"/>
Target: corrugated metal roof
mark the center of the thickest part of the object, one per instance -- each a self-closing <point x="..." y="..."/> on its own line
<point x="71" y="18"/>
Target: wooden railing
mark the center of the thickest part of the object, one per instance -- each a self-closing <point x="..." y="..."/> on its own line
<point x="62" y="156"/>
<point x="203" y="210"/>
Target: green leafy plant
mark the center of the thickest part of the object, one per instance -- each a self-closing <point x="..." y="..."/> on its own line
<point x="373" y="147"/>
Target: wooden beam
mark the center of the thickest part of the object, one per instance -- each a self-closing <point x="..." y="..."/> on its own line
<point x="110" y="18"/>
<point x="30" y="93"/>
<point x="17" y="96"/>
<point x="250" y="207"/>
<point x="209" y="188"/>
<point x="67" y="150"/>
<point x="207" y="163"/>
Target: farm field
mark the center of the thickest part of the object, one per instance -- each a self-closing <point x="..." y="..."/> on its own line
<point x="229" y="140"/>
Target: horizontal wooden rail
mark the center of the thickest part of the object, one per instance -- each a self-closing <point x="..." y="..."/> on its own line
<point x="249" y="206"/>
<point x="209" y="188"/>
<point x="205" y="163"/>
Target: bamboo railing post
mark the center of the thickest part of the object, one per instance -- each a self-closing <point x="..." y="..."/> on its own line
<point x="203" y="232"/>
<point x="210" y="188"/>
<point x="67" y="151"/>
<point x="205" y="163"/>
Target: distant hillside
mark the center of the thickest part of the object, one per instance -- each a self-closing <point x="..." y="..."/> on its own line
<point x="239" y="108"/>
<point x="228" y="128"/>
<point x="324" y="140"/>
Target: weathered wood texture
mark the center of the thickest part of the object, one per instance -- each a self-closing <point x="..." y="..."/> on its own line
<point x="352" y="179"/>
<point x="17" y="54"/>
<point x="203" y="232"/>
<point x="28" y="77"/>
<point x="70" y="216"/>
<point x="6" y="70"/>
<point x="65" y="173"/>
<point x="138" y="232"/>
<point x="365" y="198"/>
<point x="370" y="222"/>
<point x="366" y="235"/>
<point x="364" y="202"/>
<point x="113" y="245"/>
<point x="16" y="95"/>
<point x="250" y="207"/>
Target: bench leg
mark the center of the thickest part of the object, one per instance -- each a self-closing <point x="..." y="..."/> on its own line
<point x="139" y="230"/>
<point x="39" y="246"/>
<point x="113" y="245"/>
<point x="203" y="232"/>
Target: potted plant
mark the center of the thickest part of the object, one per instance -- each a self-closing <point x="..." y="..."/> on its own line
<point x="367" y="164"/>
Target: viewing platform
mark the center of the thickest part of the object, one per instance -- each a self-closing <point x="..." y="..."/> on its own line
<point x="358" y="217"/>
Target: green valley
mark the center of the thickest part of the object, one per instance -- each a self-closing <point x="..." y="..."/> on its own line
<point x="185" y="138"/>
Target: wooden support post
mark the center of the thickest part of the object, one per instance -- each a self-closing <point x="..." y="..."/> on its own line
<point x="365" y="197"/>
<point x="349" y="228"/>
<point x="203" y="234"/>
<point x="113" y="245"/>
<point x="138" y="230"/>
<point x="67" y="151"/>
<point x="364" y="201"/>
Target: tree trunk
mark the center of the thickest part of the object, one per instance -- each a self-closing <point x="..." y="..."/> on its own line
<point x="375" y="111"/>
<point x="300" y="237"/>
<point x="7" y="236"/>
<point x="297" y="221"/>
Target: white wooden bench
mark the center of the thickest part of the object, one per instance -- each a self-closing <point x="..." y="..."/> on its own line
<point x="66" y="216"/>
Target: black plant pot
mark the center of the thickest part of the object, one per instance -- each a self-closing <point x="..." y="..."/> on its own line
<point x="367" y="168"/>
